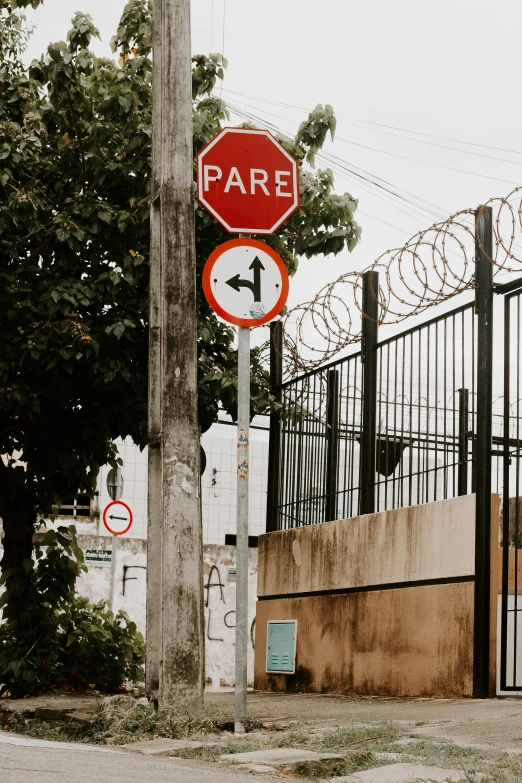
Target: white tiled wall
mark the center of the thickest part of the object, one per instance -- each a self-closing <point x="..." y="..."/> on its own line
<point x="218" y="484"/>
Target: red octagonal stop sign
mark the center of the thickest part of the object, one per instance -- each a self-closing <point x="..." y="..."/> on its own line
<point x="248" y="181"/>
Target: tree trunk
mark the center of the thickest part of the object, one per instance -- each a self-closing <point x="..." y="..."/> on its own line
<point x="19" y="524"/>
<point x="19" y="528"/>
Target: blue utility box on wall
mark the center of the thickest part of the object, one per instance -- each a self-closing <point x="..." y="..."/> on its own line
<point x="281" y="641"/>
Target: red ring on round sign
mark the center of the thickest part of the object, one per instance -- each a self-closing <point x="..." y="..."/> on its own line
<point x="211" y="299"/>
<point x="117" y="503"/>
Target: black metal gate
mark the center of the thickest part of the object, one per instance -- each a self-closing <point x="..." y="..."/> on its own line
<point x="511" y="533"/>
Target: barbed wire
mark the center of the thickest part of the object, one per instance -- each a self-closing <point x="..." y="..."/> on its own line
<point x="433" y="266"/>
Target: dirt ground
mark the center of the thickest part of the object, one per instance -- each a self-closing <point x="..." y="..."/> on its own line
<point x="482" y="723"/>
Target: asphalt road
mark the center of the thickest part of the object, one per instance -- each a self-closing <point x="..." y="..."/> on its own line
<point x="26" y="760"/>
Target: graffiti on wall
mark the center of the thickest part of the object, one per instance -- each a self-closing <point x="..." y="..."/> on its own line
<point x="219" y="601"/>
<point x="228" y="619"/>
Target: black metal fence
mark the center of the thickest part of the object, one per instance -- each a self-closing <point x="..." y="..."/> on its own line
<point x="418" y="412"/>
<point x="413" y="419"/>
<point x="426" y="411"/>
<point x="403" y="421"/>
<point x="511" y="606"/>
<point x="320" y="445"/>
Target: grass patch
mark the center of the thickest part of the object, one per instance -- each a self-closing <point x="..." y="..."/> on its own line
<point x="377" y="737"/>
<point x="213" y="752"/>
<point x="330" y="768"/>
<point x="177" y="721"/>
<point x="56" y="731"/>
<point x="117" y="725"/>
<point x="478" y="765"/>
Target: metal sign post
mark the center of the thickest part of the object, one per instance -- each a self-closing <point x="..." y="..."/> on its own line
<point x="113" y="570"/>
<point x="117" y="518"/>
<point x="115" y="489"/>
<point x="243" y="454"/>
<point x="246" y="283"/>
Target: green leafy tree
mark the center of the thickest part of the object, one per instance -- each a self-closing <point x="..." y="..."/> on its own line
<point x="59" y="638"/>
<point x="75" y="146"/>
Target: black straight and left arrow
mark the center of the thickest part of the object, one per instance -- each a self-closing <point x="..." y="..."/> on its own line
<point x="237" y="282"/>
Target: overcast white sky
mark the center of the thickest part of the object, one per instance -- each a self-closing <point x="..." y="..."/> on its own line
<point x="449" y="69"/>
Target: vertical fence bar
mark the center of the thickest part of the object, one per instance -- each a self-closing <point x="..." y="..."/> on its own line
<point x="484" y="311"/>
<point x="386" y="439"/>
<point x="332" y="445"/>
<point x="505" y="502"/>
<point x="516" y="530"/>
<point x="370" y="316"/>
<point x="274" y="444"/>
<point x="462" y="476"/>
<point x="283" y="478"/>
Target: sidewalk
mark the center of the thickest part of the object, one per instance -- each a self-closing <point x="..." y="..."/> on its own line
<point x="488" y="723"/>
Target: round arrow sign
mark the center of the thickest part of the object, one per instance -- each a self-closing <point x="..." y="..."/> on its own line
<point x="245" y="282"/>
<point x="117" y="517"/>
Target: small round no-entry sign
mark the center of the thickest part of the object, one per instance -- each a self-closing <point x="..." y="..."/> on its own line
<point x="117" y="517"/>
<point x="245" y="282"/>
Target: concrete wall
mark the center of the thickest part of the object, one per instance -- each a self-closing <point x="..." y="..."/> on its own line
<point x="432" y="541"/>
<point x="412" y="641"/>
<point x="384" y="602"/>
<point x="220" y="598"/>
<point x="131" y="563"/>
<point x="220" y="622"/>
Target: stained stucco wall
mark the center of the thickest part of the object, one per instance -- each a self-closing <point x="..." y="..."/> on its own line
<point x="384" y="602"/>
<point x="415" y="641"/>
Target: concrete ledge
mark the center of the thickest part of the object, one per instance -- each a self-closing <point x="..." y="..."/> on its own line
<point x="419" y="543"/>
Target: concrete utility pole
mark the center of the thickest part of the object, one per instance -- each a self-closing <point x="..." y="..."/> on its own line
<point x="175" y="641"/>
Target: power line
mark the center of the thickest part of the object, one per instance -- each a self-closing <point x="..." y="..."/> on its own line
<point x="373" y="185"/>
<point x="361" y="174"/>
<point x="410" y="204"/>
<point x="429" y="163"/>
<point x="441" y="138"/>
<point x="253" y="118"/>
<point x="364" y="183"/>
<point x="382" y="125"/>
<point x="416" y="160"/>
<point x="445" y="147"/>
<point x="368" y="185"/>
